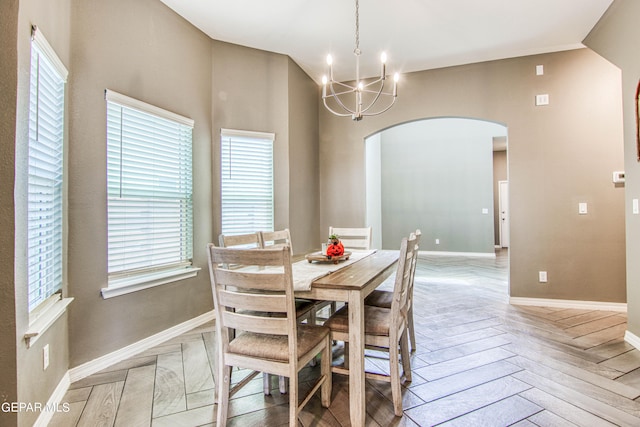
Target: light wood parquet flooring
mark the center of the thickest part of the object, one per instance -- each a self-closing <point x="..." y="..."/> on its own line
<point x="479" y="362"/>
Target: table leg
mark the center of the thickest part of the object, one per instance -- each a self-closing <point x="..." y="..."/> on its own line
<point x="356" y="359"/>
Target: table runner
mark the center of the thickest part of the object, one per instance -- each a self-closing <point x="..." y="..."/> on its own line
<point x="305" y="272"/>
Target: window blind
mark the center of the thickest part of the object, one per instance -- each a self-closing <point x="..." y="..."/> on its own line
<point x="45" y="172"/>
<point x="149" y="187"/>
<point x="246" y="181"/>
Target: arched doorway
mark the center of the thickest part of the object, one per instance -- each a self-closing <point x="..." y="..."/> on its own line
<point x="439" y="175"/>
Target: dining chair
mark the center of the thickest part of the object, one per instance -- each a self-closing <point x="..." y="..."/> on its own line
<point x="353" y="238"/>
<point x="240" y="241"/>
<point x="279" y="238"/>
<point x="276" y="239"/>
<point x="385" y="328"/>
<point x="259" y="306"/>
<point x="305" y="309"/>
<point x="381" y="298"/>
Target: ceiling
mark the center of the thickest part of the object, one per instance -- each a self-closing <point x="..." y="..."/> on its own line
<point x="416" y="34"/>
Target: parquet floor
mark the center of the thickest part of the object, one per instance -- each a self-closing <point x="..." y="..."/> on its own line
<point x="479" y="362"/>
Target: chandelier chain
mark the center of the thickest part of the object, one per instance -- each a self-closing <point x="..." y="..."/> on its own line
<point x="357" y="49"/>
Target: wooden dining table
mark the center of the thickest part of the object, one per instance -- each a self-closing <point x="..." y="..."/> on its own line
<point x="352" y="284"/>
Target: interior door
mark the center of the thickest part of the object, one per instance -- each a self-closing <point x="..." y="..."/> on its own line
<point x="503" y="205"/>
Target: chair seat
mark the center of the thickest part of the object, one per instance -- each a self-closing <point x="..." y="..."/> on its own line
<point x="275" y="347"/>
<point x="379" y="298"/>
<point x="376" y="320"/>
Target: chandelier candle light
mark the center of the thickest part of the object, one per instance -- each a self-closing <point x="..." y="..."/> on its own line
<point x="374" y="89"/>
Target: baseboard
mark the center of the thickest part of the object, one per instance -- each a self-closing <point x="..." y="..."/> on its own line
<point x="53" y="404"/>
<point x="469" y="254"/>
<point x="131" y="350"/>
<point x="564" y="303"/>
<point x="632" y="339"/>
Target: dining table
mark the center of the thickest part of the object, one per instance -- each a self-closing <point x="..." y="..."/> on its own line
<point x="352" y="284"/>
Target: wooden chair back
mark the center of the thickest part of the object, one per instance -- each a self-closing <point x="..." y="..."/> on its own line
<point x="402" y="286"/>
<point x="276" y="239"/>
<point x="240" y="241"/>
<point x="353" y="238"/>
<point x="245" y="300"/>
<point x="257" y="328"/>
<point x="244" y="241"/>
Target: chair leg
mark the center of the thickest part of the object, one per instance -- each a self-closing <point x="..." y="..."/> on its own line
<point x="394" y="370"/>
<point x="325" y="370"/>
<point x="406" y="356"/>
<point x="223" y="395"/>
<point x="412" y="332"/>
<point x="293" y="400"/>
<point x="282" y="383"/>
<point x="346" y="355"/>
<point x="266" y="383"/>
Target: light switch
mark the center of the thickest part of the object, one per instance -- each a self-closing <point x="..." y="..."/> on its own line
<point x="542" y="99"/>
<point x="582" y="208"/>
<point x="539" y="70"/>
<point x="485" y="211"/>
<point x="635" y="208"/>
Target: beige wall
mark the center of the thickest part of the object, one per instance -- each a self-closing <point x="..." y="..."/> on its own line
<point x="616" y="38"/>
<point x="144" y="50"/>
<point x="8" y="94"/>
<point x="250" y="93"/>
<point x="262" y="91"/>
<point x="304" y="165"/>
<point x="34" y="383"/>
<point x="559" y="155"/>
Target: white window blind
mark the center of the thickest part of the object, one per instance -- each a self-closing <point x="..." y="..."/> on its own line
<point x="45" y="174"/>
<point x="149" y="186"/>
<point x="246" y="181"/>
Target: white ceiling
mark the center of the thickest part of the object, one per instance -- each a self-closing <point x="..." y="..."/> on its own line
<point x="416" y="34"/>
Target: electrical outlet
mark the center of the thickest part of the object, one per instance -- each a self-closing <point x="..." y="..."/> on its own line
<point x="437" y="241"/>
<point x="542" y="276"/>
<point x="45" y="357"/>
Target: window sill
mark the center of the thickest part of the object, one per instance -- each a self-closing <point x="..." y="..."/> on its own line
<point x="127" y="285"/>
<point x="44" y="322"/>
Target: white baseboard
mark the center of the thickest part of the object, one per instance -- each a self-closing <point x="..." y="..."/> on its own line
<point x="632" y="339"/>
<point x="469" y="254"/>
<point x="53" y="404"/>
<point x="107" y="360"/>
<point x="564" y="303"/>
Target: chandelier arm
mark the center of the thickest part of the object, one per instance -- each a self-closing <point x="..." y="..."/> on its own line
<point x="374" y="99"/>
<point x="351" y="88"/>
<point x="339" y="101"/>
<point x="381" y="111"/>
<point x="339" y="93"/>
<point x="324" y="100"/>
<point x="381" y="93"/>
<point x="376" y="81"/>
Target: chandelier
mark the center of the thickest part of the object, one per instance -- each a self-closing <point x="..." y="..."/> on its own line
<point x="364" y="94"/>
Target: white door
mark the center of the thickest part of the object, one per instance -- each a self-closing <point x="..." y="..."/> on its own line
<point x="503" y="205"/>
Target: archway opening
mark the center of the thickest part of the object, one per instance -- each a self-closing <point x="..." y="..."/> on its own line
<point x="440" y="175"/>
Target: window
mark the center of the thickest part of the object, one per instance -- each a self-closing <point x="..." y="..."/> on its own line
<point x="149" y="187"/>
<point x="246" y="181"/>
<point x="45" y="172"/>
